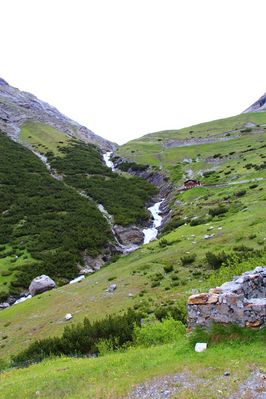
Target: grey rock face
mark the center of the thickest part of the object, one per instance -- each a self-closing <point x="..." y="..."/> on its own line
<point x="17" y="107"/>
<point x="258" y="106"/>
<point x="3" y="82"/>
<point x="241" y="301"/>
<point x="129" y="234"/>
<point x="41" y="284"/>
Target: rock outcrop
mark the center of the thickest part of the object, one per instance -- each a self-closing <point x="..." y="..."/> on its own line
<point x="241" y="301"/>
<point x="41" y="284"/>
<point x="258" y="106"/>
<point x="129" y="234"/>
<point x="17" y="107"/>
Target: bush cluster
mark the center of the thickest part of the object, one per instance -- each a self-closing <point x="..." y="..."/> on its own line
<point x="82" y="339"/>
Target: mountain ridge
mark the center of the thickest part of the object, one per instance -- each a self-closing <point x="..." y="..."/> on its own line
<point x="18" y="107"/>
<point x="258" y="106"/>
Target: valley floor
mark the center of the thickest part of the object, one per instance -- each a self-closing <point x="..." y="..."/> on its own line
<point x="167" y="371"/>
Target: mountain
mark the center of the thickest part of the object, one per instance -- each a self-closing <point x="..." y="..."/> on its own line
<point x="212" y="181"/>
<point x="62" y="210"/>
<point x="258" y="106"/>
<point x="18" y="107"/>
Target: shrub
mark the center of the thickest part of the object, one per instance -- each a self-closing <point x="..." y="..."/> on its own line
<point x="216" y="260"/>
<point x="219" y="210"/>
<point x="168" y="268"/>
<point x="240" y="193"/>
<point x="188" y="259"/>
<point x="163" y="243"/>
<point x="198" y="221"/>
<point x="83" y="339"/>
<point x="154" y="332"/>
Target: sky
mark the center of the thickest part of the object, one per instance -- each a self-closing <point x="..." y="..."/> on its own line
<point x="125" y="68"/>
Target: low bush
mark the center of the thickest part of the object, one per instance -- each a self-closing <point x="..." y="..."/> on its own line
<point x="188" y="259"/>
<point x="163" y="243"/>
<point x="219" y="210"/>
<point x="216" y="260"/>
<point x="154" y="332"/>
<point x="168" y="268"/>
<point x="83" y="339"/>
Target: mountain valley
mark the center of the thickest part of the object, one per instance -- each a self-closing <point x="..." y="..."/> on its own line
<point x="75" y="204"/>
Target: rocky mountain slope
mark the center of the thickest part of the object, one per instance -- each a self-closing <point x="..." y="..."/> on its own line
<point x="258" y="106"/>
<point x="17" y="107"/>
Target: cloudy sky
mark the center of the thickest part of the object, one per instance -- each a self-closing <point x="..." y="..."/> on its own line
<point x="125" y="68"/>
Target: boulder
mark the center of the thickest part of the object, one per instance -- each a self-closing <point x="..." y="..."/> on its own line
<point x="4" y="305"/>
<point x="41" y="284"/>
<point x="129" y="234"/>
<point x="111" y="288"/>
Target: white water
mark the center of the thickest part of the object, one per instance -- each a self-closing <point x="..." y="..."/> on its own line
<point x="151" y="233"/>
<point x="23" y="299"/>
<point x="108" y="161"/>
<point x="77" y="279"/>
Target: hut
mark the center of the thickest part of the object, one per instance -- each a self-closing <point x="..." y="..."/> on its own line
<point x="191" y="183"/>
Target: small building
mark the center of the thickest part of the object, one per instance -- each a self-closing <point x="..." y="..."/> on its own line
<point x="191" y="183"/>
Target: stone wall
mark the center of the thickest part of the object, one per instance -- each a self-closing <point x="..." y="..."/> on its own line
<point x="241" y="301"/>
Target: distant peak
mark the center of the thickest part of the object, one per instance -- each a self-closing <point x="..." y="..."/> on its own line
<point x="3" y="82"/>
<point x="259" y="105"/>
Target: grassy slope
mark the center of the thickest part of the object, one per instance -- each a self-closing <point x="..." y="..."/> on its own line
<point x="43" y="137"/>
<point x="151" y="148"/>
<point x="114" y="375"/>
<point x="241" y="225"/>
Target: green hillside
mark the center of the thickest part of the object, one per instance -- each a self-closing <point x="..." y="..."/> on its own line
<point x="186" y="152"/>
<point x="215" y="231"/>
<point x="170" y="267"/>
<point x="46" y="226"/>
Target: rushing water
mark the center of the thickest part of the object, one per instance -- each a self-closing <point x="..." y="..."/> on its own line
<point x="151" y="233"/>
<point x="107" y="160"/>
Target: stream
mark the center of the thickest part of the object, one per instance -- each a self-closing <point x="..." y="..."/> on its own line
<point x="150" y="233"/>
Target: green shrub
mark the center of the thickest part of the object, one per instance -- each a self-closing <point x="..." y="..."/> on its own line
<point x="154" y="332"/>
<point x="240" y="193"/>
<point x="198" y="221"/>
<point x="83" y="339"/>
<point x="216" y="260"/>
<point x="188" y="259"/>
<point x="219" y="210"/>
<point x="168" y="268"/>
<point x="6" y="273"/>
<point x="163" y="243"/>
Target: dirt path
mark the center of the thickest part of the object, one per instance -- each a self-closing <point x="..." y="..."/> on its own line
<point x="183" y="384"/>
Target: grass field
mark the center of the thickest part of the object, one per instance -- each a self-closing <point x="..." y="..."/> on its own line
<point x="113" y="376"/>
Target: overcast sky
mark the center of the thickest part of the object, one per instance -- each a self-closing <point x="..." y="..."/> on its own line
<point x="125" y="68"/>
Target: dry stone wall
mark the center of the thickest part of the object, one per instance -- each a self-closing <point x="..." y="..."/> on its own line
<point x="241" y="301"/>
